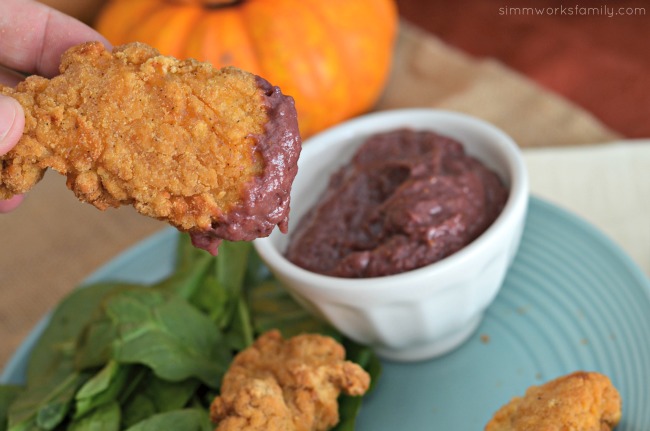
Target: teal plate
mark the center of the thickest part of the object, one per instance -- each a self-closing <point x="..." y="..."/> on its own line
<point x="571" y="301"/>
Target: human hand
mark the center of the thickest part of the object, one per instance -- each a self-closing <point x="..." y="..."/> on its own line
<point x="12" y="121"/>
<point x="33" y="38"/>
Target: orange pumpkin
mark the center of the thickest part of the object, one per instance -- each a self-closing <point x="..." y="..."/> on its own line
<point x="332" y="56"/>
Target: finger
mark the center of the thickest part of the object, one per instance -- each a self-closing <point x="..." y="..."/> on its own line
<point x="10" y="204"/>
<point x="34" y="36"/>
<point x="12" y="123"/>
<point x="9" y="77"/>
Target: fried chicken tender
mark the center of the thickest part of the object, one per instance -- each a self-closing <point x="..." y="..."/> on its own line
<point x="581" y="401"/>
<point x="212" y="152"/>
<point x="287" y="385"/>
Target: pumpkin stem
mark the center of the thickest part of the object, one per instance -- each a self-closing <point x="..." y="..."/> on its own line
<point x="218" y="4"/>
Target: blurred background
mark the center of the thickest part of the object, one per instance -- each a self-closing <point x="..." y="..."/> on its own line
<point x="598" y="61"/>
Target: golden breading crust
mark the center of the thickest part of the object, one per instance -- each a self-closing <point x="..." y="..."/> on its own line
<point x="581" y="401"/>
<point x="287" y="385"/>
<point x="212" y="152"/>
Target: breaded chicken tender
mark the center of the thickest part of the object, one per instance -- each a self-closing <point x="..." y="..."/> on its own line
<point x="213" y="152"/>
<point x="287" y="385"/>
<point x="581" y="401"/>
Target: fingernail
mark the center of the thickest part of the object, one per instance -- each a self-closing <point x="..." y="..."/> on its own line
<point x="7" y="115"/>
<point x="9" y="110"/>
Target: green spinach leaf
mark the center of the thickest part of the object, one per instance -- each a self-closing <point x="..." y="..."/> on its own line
<point x="272" y="307"/>
<point x="168" y="335"/>
<point x="46" y="405"/>
<point x="58" y="342"/>
<point x="349" y="407"/>
<point x="158" y="396"/>
<point x="8" y="393"/>
<point x="104" y="387"/>
<point x="177" y="420"/>
<point x="106" y="417"/>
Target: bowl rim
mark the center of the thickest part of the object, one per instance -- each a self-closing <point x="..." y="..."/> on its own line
<point x="367" y="124"/>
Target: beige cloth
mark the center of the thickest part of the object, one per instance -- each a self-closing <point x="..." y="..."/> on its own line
<point x="52" y="242"/>
<point x="429" y="73"/>
<point x="606" y="185"/>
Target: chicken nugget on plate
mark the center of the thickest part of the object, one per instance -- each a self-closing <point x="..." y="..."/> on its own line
<point x="287" y="385"/>
<point x="580" y="401"/>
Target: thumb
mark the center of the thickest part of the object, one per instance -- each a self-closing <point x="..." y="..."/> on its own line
<point x="10" y="204"/>
<point x="12" y="122"/>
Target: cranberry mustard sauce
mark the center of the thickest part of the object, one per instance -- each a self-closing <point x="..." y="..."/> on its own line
<point x="407" y="199"/>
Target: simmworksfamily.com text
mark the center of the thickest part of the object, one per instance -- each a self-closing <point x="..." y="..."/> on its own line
<point x="575" y="10"/>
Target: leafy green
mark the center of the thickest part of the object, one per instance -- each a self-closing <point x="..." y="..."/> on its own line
<point x="272" y="307"/>
<point x="106" y="417"/>
<point x="95" y="343"/>
<point x="349" y="406"/>
<point x="221" y="294"/>
<point x="103" y="388"/>
<point x="158" y="396"/>
<point x="122" y="356"/>
<point x="45" y="406"/>
<point x="168" y="335"/>
<point x="8" y="394"/>
<point x="177" y="420"/>
<point x="57" y="343"/>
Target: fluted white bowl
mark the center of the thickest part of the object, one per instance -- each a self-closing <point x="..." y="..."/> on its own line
<point x="429" y="311"/>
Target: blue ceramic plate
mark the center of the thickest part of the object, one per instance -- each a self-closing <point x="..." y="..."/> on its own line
<point x="571" y="301"/>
